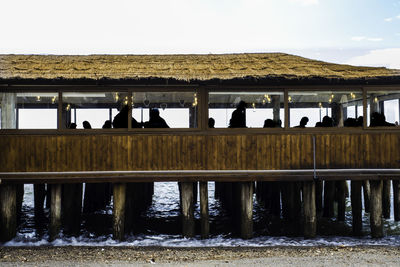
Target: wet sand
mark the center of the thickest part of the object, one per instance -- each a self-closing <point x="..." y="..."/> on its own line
<point x="215" y="256"/>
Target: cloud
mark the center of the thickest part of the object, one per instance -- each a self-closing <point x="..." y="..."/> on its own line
<point x="389" y="57"/>
<point x="363" y="38"/>
<point x="358" y="38"/>
<point x="306" y="2"/>
<point x="392" y="18"/>
<point x="375" y="39"/>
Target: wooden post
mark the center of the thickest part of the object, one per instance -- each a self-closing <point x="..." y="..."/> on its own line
<point x="39" y="194"/>
<point x="396" y="200"/>
<point x="342" y="187"/>
<point x="55" y="212"/>
<point x="310" y="214"/>
<point x="119" y="193"/>
<point x="20" y="200"/>
<point x="386" y="199"/>
<point x="187" y="209"/>
<point x="356" y="207"/>
<point x="329" y="198"/>
<point x="8" y="212"/>
<point x="72" y="208"/>
<point x="367" y="195"/>
<point x="195" y="190"/>
<point x="205" y="224"/>
<point x="376" y="209"/>
<point x="318" y="196"/>
<point x="246" y="209"/>
<point x="95" y="197"/>
<point x="8" y="115"/>
<point x="276" y="103"/>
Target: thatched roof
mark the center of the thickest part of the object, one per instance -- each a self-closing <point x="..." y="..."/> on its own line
<point x="183" y="68"/>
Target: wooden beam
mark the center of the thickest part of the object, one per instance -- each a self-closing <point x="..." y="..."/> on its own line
<point x="386" y="198"/>
<point x="55" y="212"/>
<point x="8" y="212"/>
<point x="119" y="193"/>
<point x="204" y="216"/>
<point x="188" y="229"/>
<point x="376" y="209"/>
<point x="356" y="207"/>
<point x="310" y="214"/>
<point x="246" y="209"/>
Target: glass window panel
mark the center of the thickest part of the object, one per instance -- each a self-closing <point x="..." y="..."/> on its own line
<point x="29" y="110"/>
<point x="324" y="108"/>
<point x="175" y="109"/>
<point x="383" y="107"/>
<point x="27" y="118"/>
<point x="96" y="108"/>
<point x="258" y="107"/>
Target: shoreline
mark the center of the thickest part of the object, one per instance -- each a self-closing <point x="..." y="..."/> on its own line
<point x="199" y="256"/>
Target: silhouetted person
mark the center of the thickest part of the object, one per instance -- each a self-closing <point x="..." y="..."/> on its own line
<point x="303" y="123"/>
<point x="350" y="122"/>
<point x="268" y="123"/>
<point x="318" y="124"/>
<point x="360" y="121"/>
<point x="155" y="120"/>
<point x="211" y="123"/>
<point x="121" y="119"/>
<point x="327" y="121"/>
<point x="378" y="119"/>
<point x="278" y="124"/>
<point x="238" y="119"/>
<point x="107" y="124"/>
<point x="72" y="125"/>
<point x="86" y="125"/>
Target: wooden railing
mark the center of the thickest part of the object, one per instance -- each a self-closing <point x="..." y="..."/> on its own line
<point x="119" y="153"/>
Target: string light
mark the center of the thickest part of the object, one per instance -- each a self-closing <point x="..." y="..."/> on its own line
<point x="376" y="99"/>
<point x="195" y="100"/>
<point x="290" y="99"/>
<point x="53" y="100"/>
<point x="320" y="105"/>
<point x="68" y="107"/>
<point x="38" y="99"/>
<point x="116" y="97"/>
<point x="126" y="100"/>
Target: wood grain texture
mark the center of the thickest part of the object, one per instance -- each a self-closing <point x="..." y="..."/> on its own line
<point x="35" y="153"/>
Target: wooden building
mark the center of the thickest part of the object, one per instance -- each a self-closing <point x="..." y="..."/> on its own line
<point x="277" y="85"/>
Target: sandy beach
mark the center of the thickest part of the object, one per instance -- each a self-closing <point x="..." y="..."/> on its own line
<point x="216" y="256"/>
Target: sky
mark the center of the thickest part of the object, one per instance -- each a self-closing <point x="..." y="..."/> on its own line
<point x="358" y="32"/>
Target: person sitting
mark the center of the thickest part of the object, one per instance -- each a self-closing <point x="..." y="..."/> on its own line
<point x="155" y="120"/>
<point x="327" y="121"/>
<point x="303" y="123"/>
<point x="86" y="125"/>
<point x="350" y="122"/>
<point x="72" y="125"/>
<point x="107" y="124"/>
<point x="238" y="119"/>
<point x="211" y="123"/>
<point x="378" y="119"/>
<point x="268" y="123"/>
<point x="121" y="119"/>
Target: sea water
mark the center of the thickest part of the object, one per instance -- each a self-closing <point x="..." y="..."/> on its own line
<point x="161" y="227"/>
